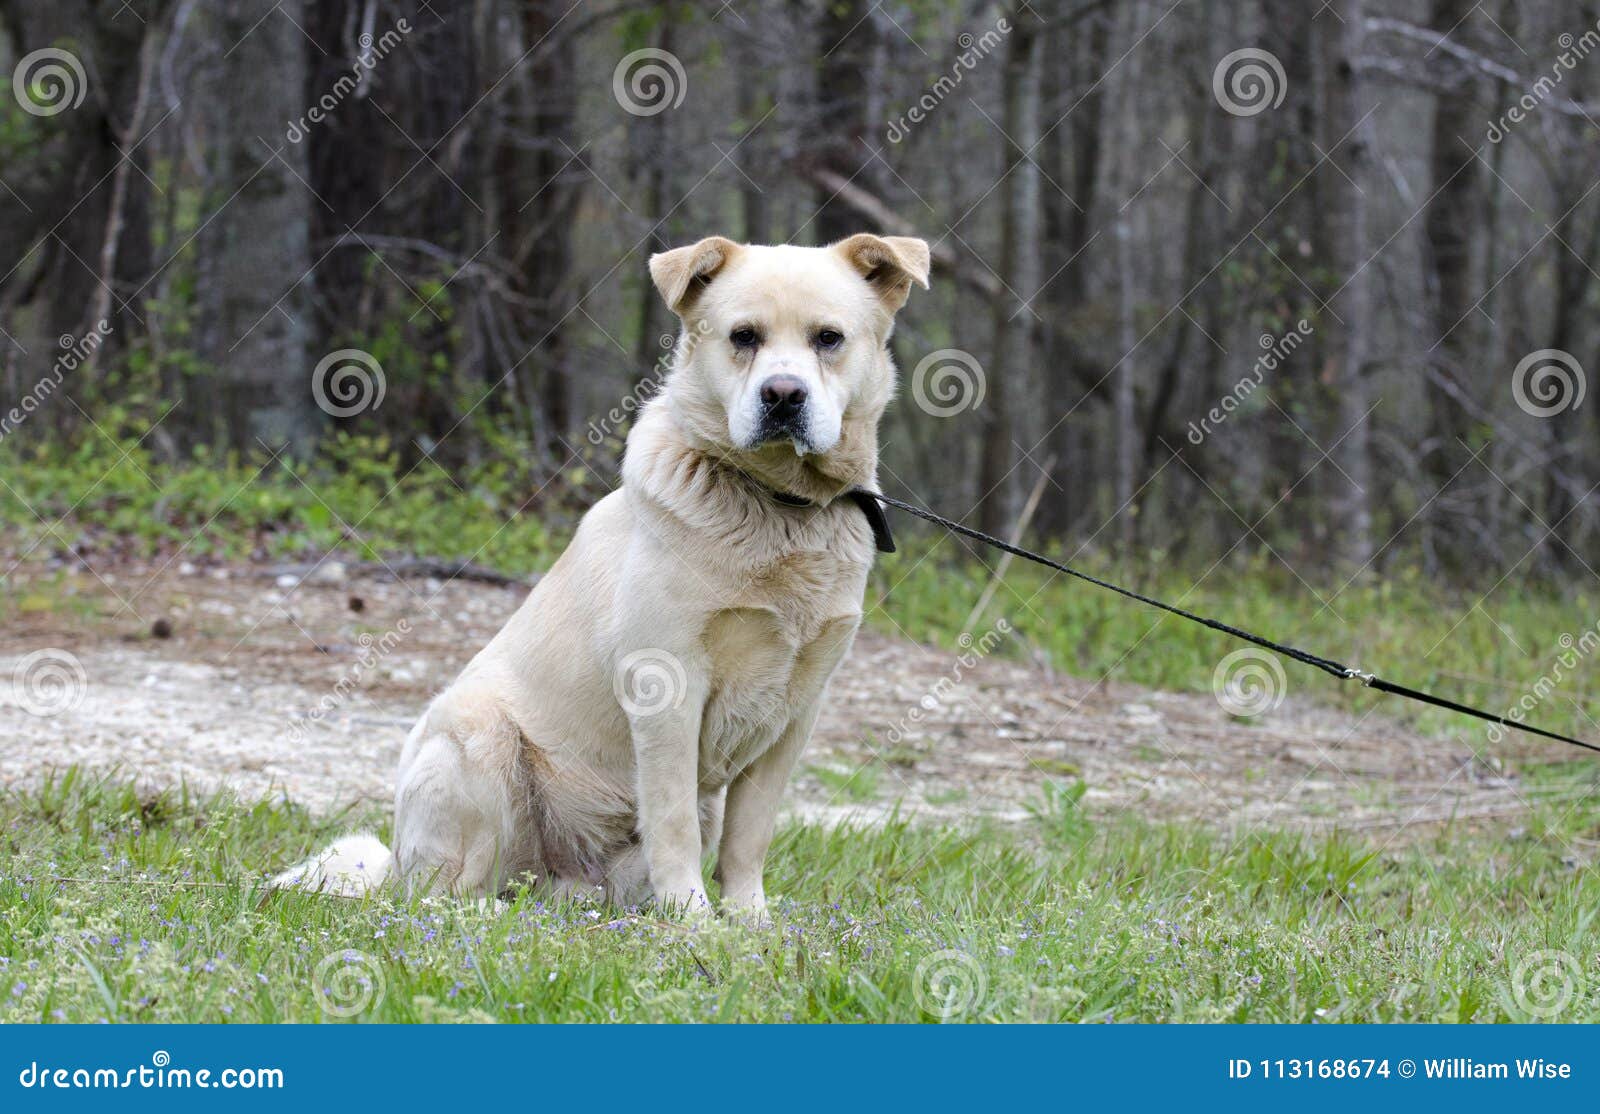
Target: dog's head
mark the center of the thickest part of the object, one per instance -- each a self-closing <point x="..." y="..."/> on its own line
<point x="784" y="348"/>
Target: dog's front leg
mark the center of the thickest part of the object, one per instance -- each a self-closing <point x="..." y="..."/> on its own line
<point x="752" y="812"/>
<point x="666" y="746"/>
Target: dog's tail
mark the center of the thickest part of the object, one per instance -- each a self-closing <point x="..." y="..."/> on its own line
<point x="350" y="867"/>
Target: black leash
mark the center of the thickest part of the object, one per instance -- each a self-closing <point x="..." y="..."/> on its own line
<point x="1344" y="672"/>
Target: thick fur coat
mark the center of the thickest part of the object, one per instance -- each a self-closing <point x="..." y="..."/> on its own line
<point x="646" y="704"/>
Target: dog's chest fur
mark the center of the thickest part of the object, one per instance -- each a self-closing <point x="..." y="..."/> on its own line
<point x="771" y="654"/>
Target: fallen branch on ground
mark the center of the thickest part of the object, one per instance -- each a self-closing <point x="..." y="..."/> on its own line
<point x="408" y="567"/>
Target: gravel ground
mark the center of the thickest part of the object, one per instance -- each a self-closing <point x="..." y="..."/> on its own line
<point x="271" y="683"/>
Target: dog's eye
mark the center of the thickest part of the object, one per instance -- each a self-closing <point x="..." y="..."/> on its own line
<point x="744" y="337"/>
<point x="829" y="338"/>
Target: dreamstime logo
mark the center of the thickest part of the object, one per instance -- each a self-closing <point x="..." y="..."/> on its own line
<point x="649" y="81"/>
<point x="1547" y="382"/>
<point x="1572" y="653"/>
<point x="1249" y="81"/>
<point x="48" y="682"/>
<point x="972" y="652"/>
<point x="1574" y="49"/>
<point x="74" y="353"/>
<point x="49" y="81"/>
<point x="1545" y="982"/>
<point x="372" y="652"/>
<point x="1275" y="352"/>
<point x="1249" y="682"/>
<point x="352" y="83"/>
<point x="675" y="352"/>
<point x="158" y="1075"/>
<point x="347" y="382"/>
<point x="948" y="984"/>
<point x="348" y="982"/>
<point x="946" y="382"/>
<point x="648" y="682"/>
<point x="973" y="51"/>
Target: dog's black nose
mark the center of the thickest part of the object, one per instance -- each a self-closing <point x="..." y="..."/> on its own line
<point x="783" y="396"/>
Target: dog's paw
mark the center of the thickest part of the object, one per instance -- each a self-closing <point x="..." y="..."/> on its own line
<point x="748" y="909"/>
<point x="745" y="903"/>
<point x="747" y="916"/>
<point x="691" y="907"/>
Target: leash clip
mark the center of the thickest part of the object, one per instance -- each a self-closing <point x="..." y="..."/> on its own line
<point x="1353" y="674"/>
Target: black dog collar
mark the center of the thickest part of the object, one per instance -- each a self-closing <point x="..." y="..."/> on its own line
<point x="861" y="497"/>
<point x="875" y="517"/>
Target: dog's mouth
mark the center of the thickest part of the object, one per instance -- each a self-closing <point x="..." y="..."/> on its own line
<point x="775" y="431"/>
<point x="796" y="441"/>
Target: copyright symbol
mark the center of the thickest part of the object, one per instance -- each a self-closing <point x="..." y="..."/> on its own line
<point x="1407" y="1069"/>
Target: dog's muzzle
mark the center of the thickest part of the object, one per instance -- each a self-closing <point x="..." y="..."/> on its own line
<point x="783" y="412"/>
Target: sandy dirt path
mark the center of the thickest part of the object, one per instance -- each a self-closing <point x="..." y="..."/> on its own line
<point x="274" y="684"/>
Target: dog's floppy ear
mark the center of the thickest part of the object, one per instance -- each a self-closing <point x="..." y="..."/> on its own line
<point x="890" y="263"/>
<point x="680" y="273"/>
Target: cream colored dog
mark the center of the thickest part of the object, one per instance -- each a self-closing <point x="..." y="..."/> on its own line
<point x="649" y="699"/>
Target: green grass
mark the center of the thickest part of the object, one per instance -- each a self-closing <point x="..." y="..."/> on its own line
<point x="858" y="784"/>
<point x="124" y="907"/>
<point x="357" y="497"/>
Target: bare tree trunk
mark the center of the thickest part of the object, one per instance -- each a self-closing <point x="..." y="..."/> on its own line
<point x="83" y="243"/>
<point x="752" y="196"/>
<point x="127" y="134"/>
<point x="1494" y="351"/>
<point x="1562" y="428"/>
<point x="256" y="251"/>
<point x="847" y="39"/>
<point x="1014" y="317"/>
<point x="347" y="165"/>
<point x="1451" y="223"/>
<point x="549" y="259"/>
<point x="1126" y="374"/>
<point x="1068" y="293"/>
<point x="433" y="78"/>
<point x="1127" y="430"/>
<point x="650" y="150"/>
<point x="1345" y="103"/>
<point x="1194" y="356"/>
